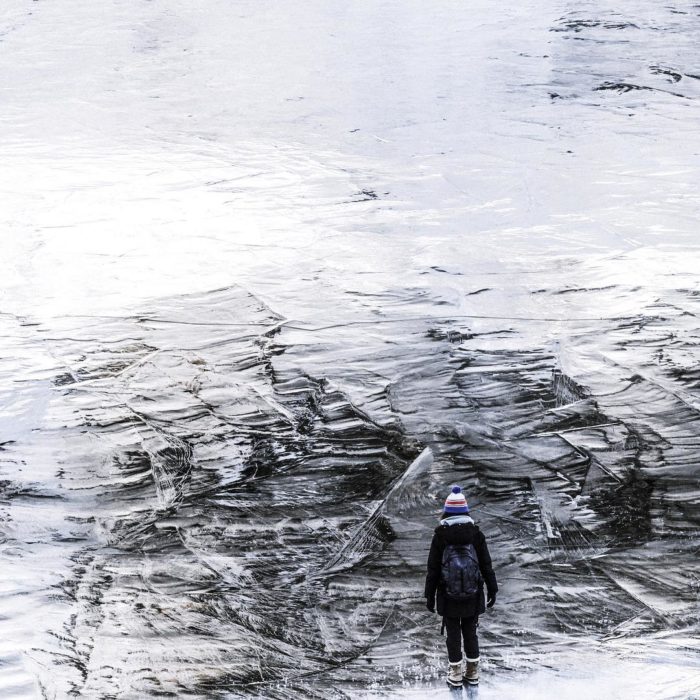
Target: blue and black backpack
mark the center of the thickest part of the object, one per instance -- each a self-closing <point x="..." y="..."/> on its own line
<point x="460" y="571"/>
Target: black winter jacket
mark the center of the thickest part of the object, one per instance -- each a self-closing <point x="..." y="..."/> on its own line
<point x="463" y="533"/>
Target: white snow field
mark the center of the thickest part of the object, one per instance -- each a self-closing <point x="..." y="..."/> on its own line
<point x="257" y="256"/>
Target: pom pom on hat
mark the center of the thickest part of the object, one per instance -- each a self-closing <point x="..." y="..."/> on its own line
<point x="456" y="503"/>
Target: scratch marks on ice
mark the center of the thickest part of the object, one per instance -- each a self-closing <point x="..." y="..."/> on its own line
<point x="220" y="499"/>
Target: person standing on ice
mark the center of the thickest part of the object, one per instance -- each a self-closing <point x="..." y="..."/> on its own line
<point x="459" y="565"/>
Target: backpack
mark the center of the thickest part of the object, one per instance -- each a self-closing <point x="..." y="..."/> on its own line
<point x="460" y="571"/>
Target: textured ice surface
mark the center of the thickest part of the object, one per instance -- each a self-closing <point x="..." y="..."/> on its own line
<point x="275" y="275"/>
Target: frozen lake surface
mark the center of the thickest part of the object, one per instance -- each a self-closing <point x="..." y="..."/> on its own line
<point x="275" y="275"/>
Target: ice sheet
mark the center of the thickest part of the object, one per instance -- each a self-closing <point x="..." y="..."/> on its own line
<point x="260" y="256"/>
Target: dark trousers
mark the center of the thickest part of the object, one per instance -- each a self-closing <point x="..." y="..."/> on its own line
<point x="459" y="628"/>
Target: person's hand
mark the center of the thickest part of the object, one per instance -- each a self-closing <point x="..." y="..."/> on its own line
<point x="430" y="604"/>
<point x="491" y="600"/>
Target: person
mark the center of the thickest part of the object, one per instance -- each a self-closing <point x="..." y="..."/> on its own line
<point x="460" y="600"/>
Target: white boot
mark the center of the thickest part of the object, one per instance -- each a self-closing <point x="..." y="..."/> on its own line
<point x="471" y="671"/>
<point x="454" y="677"/>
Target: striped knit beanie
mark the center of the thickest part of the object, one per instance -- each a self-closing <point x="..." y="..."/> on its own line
<point x="456" y="502"/>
